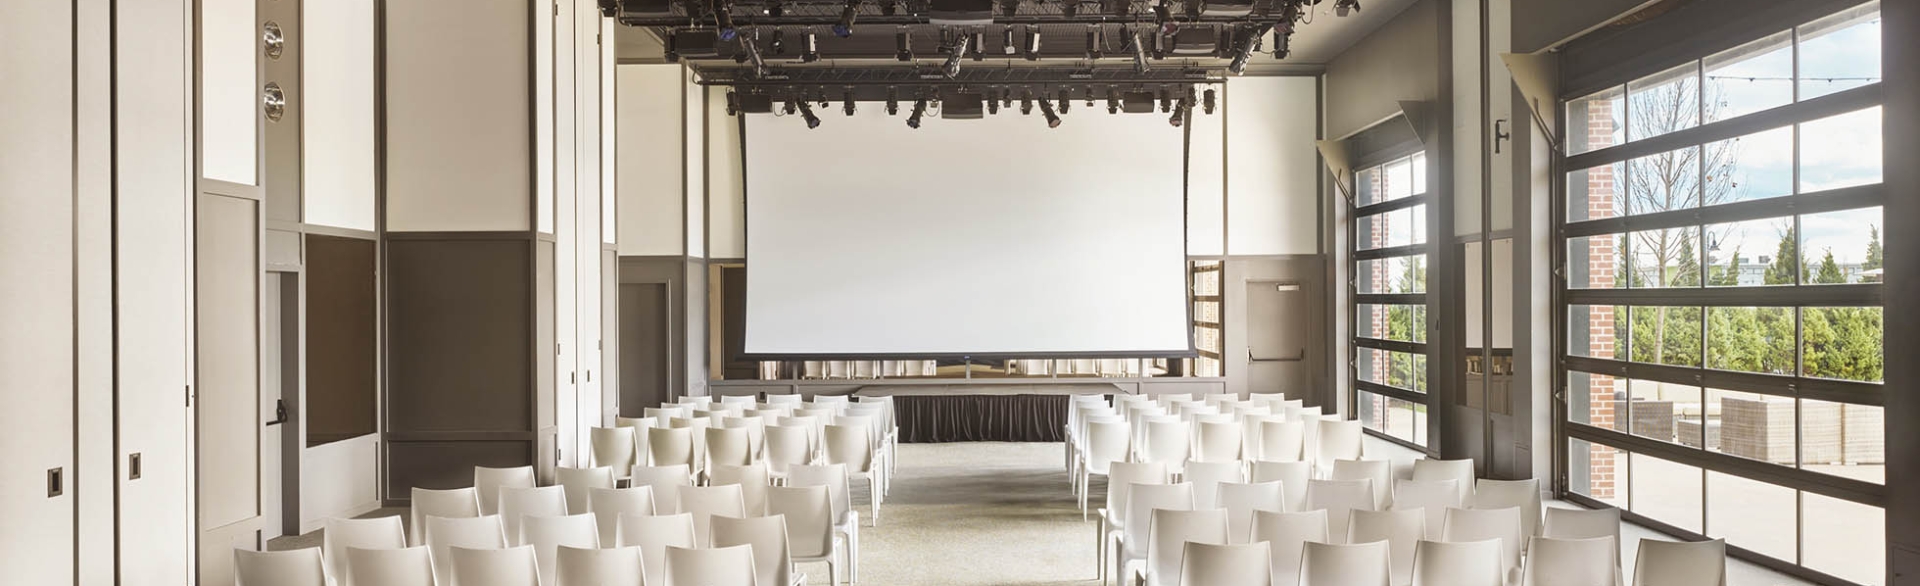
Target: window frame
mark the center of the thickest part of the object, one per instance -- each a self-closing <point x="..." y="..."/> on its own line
<point x="1424" y="250"/>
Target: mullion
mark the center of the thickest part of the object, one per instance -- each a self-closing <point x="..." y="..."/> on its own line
<point x="1831" y="200"/>
<point x="1841" y="102"/>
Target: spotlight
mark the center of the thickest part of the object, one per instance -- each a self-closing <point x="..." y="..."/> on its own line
<point x="774" y="9"/>
<point x="1345" y="7"/>
<point x="790" y="107"/>
<point x="1283" y="42"/>
<point x="1093" y="43"/>
<point x="919" y="108"/>
<point x="1026" y="103"/>
<point x="893" y="102"/>
<point x="978" y="47"/>
<point x="1178" y="117"/>
<point x="672" y="47"/>
<point x="809" y="47"/>
<point x="903" y="41"/>
<point x="779" y="42"/>
<point x="733" y="104"/>
<point x="1113" y="101"/>
<point x="1207" y="101"/>
<point x="1166" y="100"/>
<point x="806" y="112"/>
<point x="888" y="8"/>
<point x="1163" y="18"/>
<point x="1007" y="46"/>
<point x="844" y="27"/>
<point x="1053" y="120"/>
<point x="847" y="101"/>
<point x="1064" y="104"/>
<point x="1009" y="8"/>
<point x="724" y="17"/>
<point x="952" y="67"/>
<point x="1243" y="52"/>
<point x="1139" y="52"/>
<point x="1033" y="43"/>
<point x="752" y="50"/>
<point x="993" y="106"/>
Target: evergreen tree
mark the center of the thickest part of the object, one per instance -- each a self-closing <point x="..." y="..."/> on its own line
<point x="1688" y="273"/>
<point x="1875" y="255"/>
<point x="1726" y="277"/>
<point x="1829" y="273"/>
<point x="1782" y="272"/>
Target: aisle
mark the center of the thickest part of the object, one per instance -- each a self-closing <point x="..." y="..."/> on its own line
<point x="976" y="514"/>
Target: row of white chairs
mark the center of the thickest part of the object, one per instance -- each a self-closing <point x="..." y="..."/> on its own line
<point x="1217" y="428"/>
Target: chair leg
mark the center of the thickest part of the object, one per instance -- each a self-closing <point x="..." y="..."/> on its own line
<point x="1100" y="552"/>
<point x="853" y="553"/>
<point x="873" y="483"/>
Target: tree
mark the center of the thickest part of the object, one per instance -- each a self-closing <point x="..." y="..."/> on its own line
<point x="1782" y="272"/>
<point x="1725" y="277"/>
<point x="1673" y="181"/>
<point x="1829" y="273"/>
<point x="1875" y="255"/>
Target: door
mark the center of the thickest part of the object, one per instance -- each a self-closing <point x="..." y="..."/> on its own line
<point x="646" y="357"/>
<point x="233" y="412"/>
<point x="1279" y="331"/>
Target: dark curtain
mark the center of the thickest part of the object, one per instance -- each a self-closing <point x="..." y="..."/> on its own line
<point x="981" y="418"/>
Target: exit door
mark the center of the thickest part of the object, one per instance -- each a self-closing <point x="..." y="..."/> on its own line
<point x="1280" y="328"/>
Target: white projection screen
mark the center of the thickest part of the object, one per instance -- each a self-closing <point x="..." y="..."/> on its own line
<point x="990" y="237"/>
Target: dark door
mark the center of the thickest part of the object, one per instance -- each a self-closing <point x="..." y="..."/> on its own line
<point x="646" y="358"/>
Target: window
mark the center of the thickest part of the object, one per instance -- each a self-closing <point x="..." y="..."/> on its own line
<point x="1723" y="333"/>
<point x="1389" y="310"/>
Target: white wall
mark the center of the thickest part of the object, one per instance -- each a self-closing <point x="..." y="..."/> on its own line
<point x="348" y="480"/>
<point x="457" y="144"/>
<point x="230" y="104"/>
<point x="1207" y="180"/>
<point x="94" y="479"/>
<point x="726" y="181"/>
<point x="1272" y="167"/>
<point x="651" y="158"/>
<point x="696" y="159"/>
<point x="337" y="132"/>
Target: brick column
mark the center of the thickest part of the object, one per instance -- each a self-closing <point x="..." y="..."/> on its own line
<point x="1602" y="188"/>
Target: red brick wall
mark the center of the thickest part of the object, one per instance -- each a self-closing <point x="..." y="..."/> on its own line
<point x="1601" y="250"/>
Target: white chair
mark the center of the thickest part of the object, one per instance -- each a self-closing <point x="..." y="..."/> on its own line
<point x="1680" y="563"/>
<point x="696" y="433"/>
<point x="788" y="445"/>
<point x="784" y="399"/>
<point x="1287" y="534"/>
<point x="1340" y="498"/>
<point x="488" y="482"/>
<point x="298" y="567"/>
<point x="1168" y="442"/>
<point x="444" y="533"/>
<point x="1282" y="441"/>
<point x="1250" y="416"/>
<point x="661" y="415"/>
<point x="409" y="566"/>
<point x="752" y="480"/>
<point x="517" y="504"/>
<point x="728" y="446"/>
<point x="578" y="566"/>
<point x="1571" y="562"/>
<point x="452" y="503"/>
<point x="547" y="534"/>
<point x="809" y="514"/>
<point x="767" y="536"/>
<point x="1169" y="531"/>
<point x="1402" y="530"/>
<point x="846" y="521"/>
<point x="851" y="446"/>
<point x="1482" y="524"/>
<point x="374" y="533"/>
<point x="1380" y="472"/>
<point x="1293" y="477"/>
<point x="1459" y="471"/>
<point x="578" y="481"/>
<point x="1139" y="425"/>
<point x="1217" y="441"/>
<point x="739" y="399"/>
<point x="706" y="502"/>
<point x="728" y="566"/>
<point x="1106" y="443"/>
<point x="1338" y="440"/>
<point x="1130" y="539"/>
<point x="1466" y="563"/>
<point x="835" y="401"/>
<point x="608" y="504"/>
<point x="1360" y="564"/>
<point x="613" y="447"/>
<point x="670" y="446"/>
<point x="1582" y="524"/>
<point x="1207" y="477"/>
<point x="653" y="534"/>
<point x="1242" y="499"/>
<point x="1432" y="497"/>
<point x="756" y="427"/>
<point x="873" y="417"/>
<point x="514" y="566"/>
<point x="1121" y="477"/>
<point x="1205" y="564"/>
<point x="666" y="482"/>
<point x="1500" y="494"/>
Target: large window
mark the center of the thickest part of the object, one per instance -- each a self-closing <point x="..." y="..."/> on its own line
<point x="1722" y="315"/>
<point x="1389" y="316"/>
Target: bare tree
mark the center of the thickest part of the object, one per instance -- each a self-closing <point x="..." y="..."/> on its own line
<point x="1674" y="180"/>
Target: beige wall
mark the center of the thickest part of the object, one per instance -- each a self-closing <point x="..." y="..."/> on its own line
<point x="1401" y="61"/>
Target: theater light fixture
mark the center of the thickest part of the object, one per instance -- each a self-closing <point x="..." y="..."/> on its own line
<point x="1007" y="44"/>
<point x="1180" y="112"/>
<point x="919" y="109"/>
<point x="844" y="27"/>
<point x="809" y="47"/>
<point x="1345" y="7"/>
<point x="1207" y="102"/>
<point x="1026" y="103"/>
<point x="846" y="101"/>
<point x="903" y="45"/>
<point x="724" y="16"/>
<point x="1139" y="52"/>
<point x="893" y="101"/>
<point x="1064" y="103"/>
<point x="1093" y="43"/>
<point x="1249" y="41"/>
<point x="752" y="51"/>
<point x="806" y="113"/>
<point x="1033" y="43"/>
<point x="1053" y="120"/>
<point x="952" y="66"/>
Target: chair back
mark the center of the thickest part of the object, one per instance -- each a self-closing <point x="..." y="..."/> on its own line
<point x="653" y="534"/>
<point x="299" y="567"/>
<point x="809" y="514"/>
<point x="408" y="566"/>
<point x="1500" y="494"/>
<point x="1218" y="441"/>
<point x="577" y="481"/>
<point x="752" y="480"/>
<point x="1287" y="534"/>
<point x="1338" y="440"/>
<point x="1482" y="524"/>
<point x="1364" y="564"/>
<point x="488" y="482"/>
<point x="1680" y="563"/>
<point x="772" y="557"/>
<point x="1340" y="498"/>
<point x="374" y="533"/>
<point x="1207" y="477"/>
<point x="849" y="443"/>
<point x="835" y="401"/>
<point x="518" y="503"/>
<point x="1378" y="471"/>
<point x="445" y="533"/>
<point x="1168" y="530"/>
<point x="783" y="399"/>
<point x="739" y="399"/>
<point x="756" y="427"/>
<point x="1169" y="442"/>
<point x="514" y="566"/>
<point x="613" y="447"/>
<point x="832" y="476"/>
<point x="729" y="446"/>
<point x="1282" y="441"/>
<point x="1432" y="497"/>
<point x="669" y="446"/>
<point x="1402" y="530"/>
<point x="666" y="482"/>
<point x="608" y="504"/>
<point x="1241" y="499"/>
<point x="788" y="444"/>
<point x="451" y="503"/>
<point x="580" y="566"/>
<point x="711" y="567"/>
<point x="1293" y="477"/>
<point x="1571" y="562"/>
<point x="1143" y="499"/>
<point x="1459" y="471"/>
<point x="1121" y="477"/>
<point x="547" y="534"/>
<point x="704" y="502"/>
<point x="1106" y="443"/>
<point x="1462" y="563"/>
<point x="1582" y="524"/>
<point x="1208" y="564"/>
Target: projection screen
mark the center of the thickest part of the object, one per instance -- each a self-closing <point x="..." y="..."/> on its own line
<point x="989" y="237"/>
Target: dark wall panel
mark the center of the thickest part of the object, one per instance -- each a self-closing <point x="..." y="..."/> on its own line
<point x="342" y="325"/>
<point x="645" y="359"/>
<point x="447" y="464"/>
<point x="461" y="336"/>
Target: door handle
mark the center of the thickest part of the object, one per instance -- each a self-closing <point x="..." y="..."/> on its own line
<point x="279" y="412"/>
<point x="1301" y="357"/>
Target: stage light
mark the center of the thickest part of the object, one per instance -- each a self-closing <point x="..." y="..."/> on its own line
<point x="893" y="102"/>
<point x="1113" y="101"/>
<point x="1093" y="43"/>
<point x="888" y="8"/>
<point x="1139" y="52"/>
<point x="1026" y="103"/>
<point x="1207" y="101"/>
<point x="774" y="9"/>
<point x="993" y="106"/>
<point x="903" y="43"/>
<point x="809" y="47"/>
<point x="779" y="42"/>
<point x="1033" y="43"/>
<point x="952" y="67"/>
<point x="919" y="109"/>
<point x="672" y="47"/>
<point x="1007" y="46"/>
<point x="844" y="27"/>
<point x="790" y="107"/>
<point x="806" y="113"/>
<point x="1064" y="104"/>
<point x="1178" y="117"/>
<point x="1053" y="120"/>
<point x="724" y="17"/>
<point x="978" y="48"/>
<point x="733" y="104"/>
<point x="1009" y="8"/>
<point x="1243" y="52"/>
<point x="1166" y="100"/>
<point x="1163" y="18"/>
<point x="1345" y="7"/>
<point x="846" y="101"/>
<point x="1283" y="41"/>
<point x="752" y="50"/>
